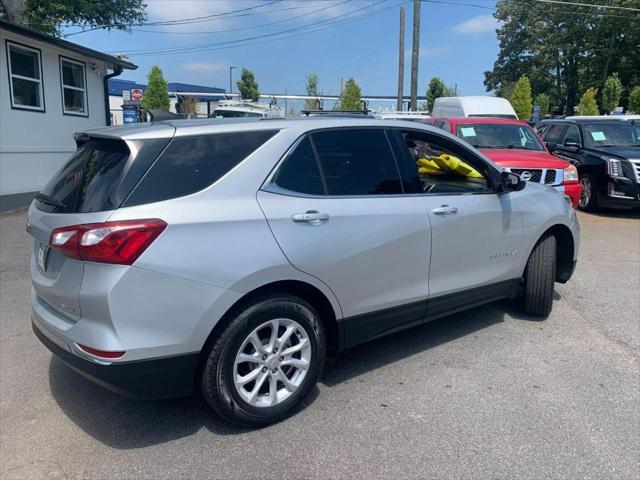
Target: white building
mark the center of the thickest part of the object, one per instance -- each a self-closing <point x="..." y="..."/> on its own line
<point x="49" y="89"/>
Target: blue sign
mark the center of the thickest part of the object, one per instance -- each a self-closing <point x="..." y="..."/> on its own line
<point x="129" y="114"/>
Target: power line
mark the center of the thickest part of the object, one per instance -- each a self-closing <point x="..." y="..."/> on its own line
<point x="197" y="47"/>
<point x="246" y="42"/>
<point x="251" y="27"/>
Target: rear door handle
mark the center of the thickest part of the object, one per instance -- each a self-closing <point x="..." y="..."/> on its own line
<point x="312" y="217"/>
<point x="445" y="210"/>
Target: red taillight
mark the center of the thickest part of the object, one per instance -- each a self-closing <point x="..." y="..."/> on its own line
<point x="120" y="242"/>
<point x="100" y="353"/>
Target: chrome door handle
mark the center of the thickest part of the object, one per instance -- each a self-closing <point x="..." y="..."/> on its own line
<point x="312" y="217"/>
<point x="445" y="210"/>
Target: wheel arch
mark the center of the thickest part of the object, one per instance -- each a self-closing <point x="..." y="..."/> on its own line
<point x="565" y="249"/>
<point x="307" y="292"/>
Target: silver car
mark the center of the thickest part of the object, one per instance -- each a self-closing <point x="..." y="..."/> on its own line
<point x="232" y="256"/>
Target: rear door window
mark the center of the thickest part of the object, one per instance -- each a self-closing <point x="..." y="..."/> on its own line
<point x="99" y="175"/>
<point x="192" y="163"/>
<point x="299" y="171"/>
<point x="357" y="162"/>
<point x="555" y="133"/>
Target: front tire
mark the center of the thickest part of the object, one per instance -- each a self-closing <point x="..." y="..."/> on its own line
<point x="539" y="278"/>
<point x="265" y="362"/>
<point x="588" y="196"/>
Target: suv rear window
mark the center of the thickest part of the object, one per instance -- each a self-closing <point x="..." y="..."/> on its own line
<point x="190" y="164"/>
<point x="99" y="175"/>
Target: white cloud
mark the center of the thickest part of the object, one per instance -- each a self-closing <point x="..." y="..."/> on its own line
<point x="204" y="67"/>
<point x="479" y="24"/>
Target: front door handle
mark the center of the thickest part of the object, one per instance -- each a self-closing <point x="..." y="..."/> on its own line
<point x="312" y="217"/>
<point x="445" y="210"/>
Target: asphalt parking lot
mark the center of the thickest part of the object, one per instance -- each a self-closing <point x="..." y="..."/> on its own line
<point x="489" y="393"/>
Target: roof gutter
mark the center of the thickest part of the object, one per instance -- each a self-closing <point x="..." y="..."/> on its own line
<point x="117" y="70"/>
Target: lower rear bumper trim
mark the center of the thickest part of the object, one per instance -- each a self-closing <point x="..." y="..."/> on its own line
<point x="157" y="378"/>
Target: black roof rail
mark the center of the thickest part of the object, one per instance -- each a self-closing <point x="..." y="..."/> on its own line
<point x="338" y="113"/>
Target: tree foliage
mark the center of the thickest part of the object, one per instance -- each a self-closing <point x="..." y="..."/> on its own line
<point x="350" y="96"/>
<point x="437" y="89"/>
<point x="48" y="15"/>
<point x="611" y="93"/>
<point x="248" y="86"/>
<point x="543" y="101"/>
<point x="634" y="100"/>
<point x="313" y="90"/>
<point x="564" y="50"/>
<point x="521" y="98"/>
<point x="588" y="104"/>
<point x="156" y="96"/>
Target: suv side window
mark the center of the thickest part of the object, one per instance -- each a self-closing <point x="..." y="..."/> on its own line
<point x="192" y="163"/>
<point x="299" y="171"/>
<point x="357" y="162"/>
<point x="572" y="134"/>
<point x="443" y="124"/>
<point x="434" y="166"/>
<point x="555" y="133"/>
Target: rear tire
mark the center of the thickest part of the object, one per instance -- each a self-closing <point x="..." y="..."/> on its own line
<point x="247" y="347"/>
<point x="539" y="278"/>
<point x="588" y="196"/>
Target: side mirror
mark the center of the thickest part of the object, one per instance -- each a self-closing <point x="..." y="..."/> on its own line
<point x="551" y="146"/>
<point x="512" y="182"/>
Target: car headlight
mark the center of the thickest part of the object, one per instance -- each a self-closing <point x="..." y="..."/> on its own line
<point x="614" y="167"/>
<point x="570" y="174"/>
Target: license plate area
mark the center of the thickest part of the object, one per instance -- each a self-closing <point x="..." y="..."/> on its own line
<point x="41" y="257"/>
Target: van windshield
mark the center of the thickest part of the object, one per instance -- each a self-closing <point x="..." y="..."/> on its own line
<point x="494" y="115"/>
<point x="500" y="136"/>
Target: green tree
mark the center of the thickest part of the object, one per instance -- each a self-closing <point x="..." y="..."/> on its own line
<point x="611" y="93"/>
<point x="247" y="86"/>
<point x="313" y="90"/>
<point x="562" y="57"/>
<point x="350" y="96"/>
<point x="48" y="15"/>
<point x="437" y="89"/>
<point x="521" y="98"/>
<point x="634" y="100"/>
<point x="588" y="104"/>
<point x="543" y="101"/>
<point x="156" y="96"/>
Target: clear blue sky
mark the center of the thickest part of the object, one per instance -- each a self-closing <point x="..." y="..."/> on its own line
<point x="457" y="43"/>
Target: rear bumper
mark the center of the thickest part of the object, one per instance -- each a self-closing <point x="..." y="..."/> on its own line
<point x="143" y="379"/>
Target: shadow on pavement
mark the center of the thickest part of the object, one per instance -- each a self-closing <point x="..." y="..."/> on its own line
<point x="123" y="423"/>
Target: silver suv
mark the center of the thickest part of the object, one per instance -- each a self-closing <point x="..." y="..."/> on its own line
<point x="234" y="255"/>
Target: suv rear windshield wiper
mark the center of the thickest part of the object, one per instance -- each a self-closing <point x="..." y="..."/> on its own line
<point x="49" y="200"/>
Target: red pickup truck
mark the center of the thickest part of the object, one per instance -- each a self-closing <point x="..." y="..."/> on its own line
<point x="514" y="146"/>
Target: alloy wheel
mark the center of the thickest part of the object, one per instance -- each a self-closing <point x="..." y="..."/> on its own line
<point x="272" y="362"/>
<point x="585" y="195"/>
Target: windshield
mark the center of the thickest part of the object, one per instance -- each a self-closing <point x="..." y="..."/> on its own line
<point x="497" y="135"/>
<point x="611" y="134"/>
<point x="234" y="114"/>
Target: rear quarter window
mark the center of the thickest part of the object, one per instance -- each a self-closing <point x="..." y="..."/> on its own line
<point x="190" y="164"/>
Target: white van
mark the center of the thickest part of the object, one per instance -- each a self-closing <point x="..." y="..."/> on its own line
<point x="480" y="106"/>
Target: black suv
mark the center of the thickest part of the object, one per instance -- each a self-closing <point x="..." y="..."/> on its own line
<point x="606" y="152"/>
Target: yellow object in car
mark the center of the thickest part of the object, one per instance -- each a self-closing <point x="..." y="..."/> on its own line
<point x="445" y="163"/>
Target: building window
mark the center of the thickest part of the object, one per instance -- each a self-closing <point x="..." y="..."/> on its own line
<point x="74" y="87"/>
<point x="25" y="77"/>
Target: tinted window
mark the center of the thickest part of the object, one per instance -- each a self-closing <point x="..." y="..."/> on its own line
<point x="438" y="167"/>
<point x="299" y="171"/>
<point x="572" y="134"/>
<point x="555" y="133"/>
<point x="357" y="162"/>
<point x="99" y="176"/>
<point x="190" y="164"/>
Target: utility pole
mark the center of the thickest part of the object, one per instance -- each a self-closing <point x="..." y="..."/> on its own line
<point x="415" y="53"/>
<point x="399" y="105"/>
<point x="231" y="79"/>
